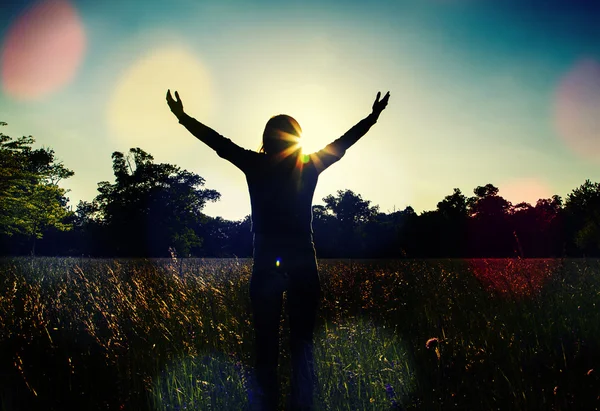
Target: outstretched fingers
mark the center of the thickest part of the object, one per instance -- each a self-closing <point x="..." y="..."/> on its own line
<point x="380" y="103"/>
<point x="176" y="106"/>
<point x="170" y="97"/>
<point x="385" y="99"/>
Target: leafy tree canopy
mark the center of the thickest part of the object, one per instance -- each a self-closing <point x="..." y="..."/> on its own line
<point x="30" y="199"/>
<point x="151" y="207"/>
<point x="454" y="205"/>
<point x="349" y="208"/>
<point x="583" y="210"/>
<point x="487" y="203"/>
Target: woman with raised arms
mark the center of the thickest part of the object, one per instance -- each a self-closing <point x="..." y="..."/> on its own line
<point x="282" y="180"/>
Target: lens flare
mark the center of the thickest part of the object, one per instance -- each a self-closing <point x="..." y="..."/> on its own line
<point x="512" y="278"/>
<point x="577" y="108"/>
<point x="42" y="50"/>
<point x="137" y="113"/>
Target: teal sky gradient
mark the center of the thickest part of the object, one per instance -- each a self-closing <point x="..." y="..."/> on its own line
<point x="474" y="90"/>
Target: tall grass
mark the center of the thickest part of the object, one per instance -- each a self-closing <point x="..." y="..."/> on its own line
<point x="177" y="334"/>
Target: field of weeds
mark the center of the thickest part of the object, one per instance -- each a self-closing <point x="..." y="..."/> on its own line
<point x="405" y="334"/>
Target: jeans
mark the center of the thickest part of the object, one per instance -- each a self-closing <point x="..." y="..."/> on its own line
<point x="284" y="264"/>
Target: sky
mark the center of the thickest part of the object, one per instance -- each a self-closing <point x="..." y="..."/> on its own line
<point x="482" y="91"/>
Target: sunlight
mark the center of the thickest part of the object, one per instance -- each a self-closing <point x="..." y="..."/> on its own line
<point x="291" y="149"/>
<point x="316" y="135"/>
<point x="322" y="117"/>
<point x="138" y="114"/>
<point x="527" y="190"/>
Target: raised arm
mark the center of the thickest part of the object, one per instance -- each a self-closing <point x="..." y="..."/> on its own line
<point x="224" y="147"/>
<point x="203" y="133"/>
<point x="334" y="151"/>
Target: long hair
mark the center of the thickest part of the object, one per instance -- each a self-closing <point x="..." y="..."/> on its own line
<point x="281" y="132"/>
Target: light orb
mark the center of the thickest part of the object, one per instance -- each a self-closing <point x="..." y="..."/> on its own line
<point x="137" y="112"/>
<point x="42" y="50"/>
<point x="577" y="109"/>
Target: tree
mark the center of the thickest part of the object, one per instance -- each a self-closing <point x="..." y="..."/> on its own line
<point x="31" y="201"/>
<point x="453" y="231"/>
<point x="427" y="234"/>
<point x="407" y="230"/>
<point x="549" y="216"/>
<point x="582" y="210"/>
<point x="487" y="203"/>
<point x="226" y="238"/>
<point x="453" y="206"/>
<point x="325" y="231"/>
<point x="151" y="207"/>
<point x="351" y="213"/>
<point x="385" y="234"/>
<point x="524" y="222"/>
<point x="489" y="233"/>
<point x="349" y="208"/>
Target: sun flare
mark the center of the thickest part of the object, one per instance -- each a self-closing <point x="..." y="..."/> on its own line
<point x="138" y="114"/>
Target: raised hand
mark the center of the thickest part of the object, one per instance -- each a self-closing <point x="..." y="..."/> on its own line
<point x="379" y="105"/>
<point x="176" y="106"/>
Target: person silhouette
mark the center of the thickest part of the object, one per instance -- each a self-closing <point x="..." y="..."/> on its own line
<point x="281" y="180"/>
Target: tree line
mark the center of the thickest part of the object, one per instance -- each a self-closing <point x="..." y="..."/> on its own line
<point x="156" y="210"/>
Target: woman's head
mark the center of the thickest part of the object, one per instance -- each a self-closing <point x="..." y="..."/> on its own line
<point x="281" y="135"/>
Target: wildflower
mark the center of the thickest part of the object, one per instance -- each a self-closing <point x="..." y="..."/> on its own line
<point x="431" y="343"/>
<point x="390" y="391"/>
<point x="391" y="395"/>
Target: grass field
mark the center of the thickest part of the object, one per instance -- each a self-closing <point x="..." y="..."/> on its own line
<point x="406" y="334"/>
